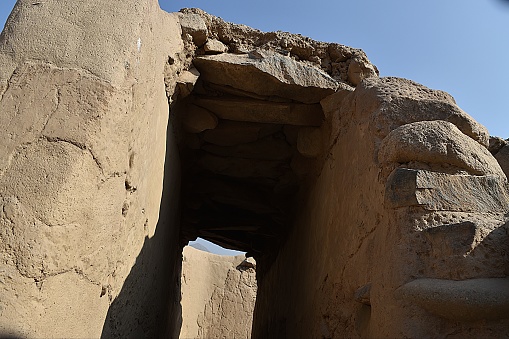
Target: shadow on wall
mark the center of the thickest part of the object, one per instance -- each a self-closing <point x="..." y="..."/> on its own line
<point x="148" y="306"/>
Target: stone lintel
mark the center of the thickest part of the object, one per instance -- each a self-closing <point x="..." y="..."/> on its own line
<point x="251" y="110"/>
<point x="267" y="73"/>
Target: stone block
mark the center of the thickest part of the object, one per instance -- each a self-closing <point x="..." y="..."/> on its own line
<point x="309" y="142"/>
<point x="195" y="26"/>
<point x="266" y="149"/>
<point x="503" y="159"/>
<point x="360" y="69"/>
<point x="444" y="192"/>
<point x="262" y="111"/>
<point x="218" y="295"/>
<point x="267" y="73"/>
<point x="196" y="119"/>
<point x="231" y="133"/>
<point x="464" y="300"/>
<point x="438" y="143"/>
<point x="214" y="46"/>
<point x="186" y="82"/>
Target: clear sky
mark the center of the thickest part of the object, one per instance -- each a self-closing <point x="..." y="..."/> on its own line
<point x="459" y="46"/>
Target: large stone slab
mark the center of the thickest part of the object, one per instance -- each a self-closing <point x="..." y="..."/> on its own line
<point x="438" y="143"/>
<point x="464" y="300"/>
<point x="262" y="111"/>
<point x="237" y="194"/>
<point x="84" y="117"/>
<point x="267" y="73"/>
<point x="444" y="192"/>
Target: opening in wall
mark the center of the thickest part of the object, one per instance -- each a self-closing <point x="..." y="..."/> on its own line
<point x="218" y="292"/>
<point x="210" y="247"/>
<point x="248" y="143"/>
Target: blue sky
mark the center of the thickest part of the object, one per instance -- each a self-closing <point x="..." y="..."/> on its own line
<point x="459" y="46"/>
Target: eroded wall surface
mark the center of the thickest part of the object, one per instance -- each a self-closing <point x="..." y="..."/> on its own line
<point x="401" y="229"/>
<point x="404" y="231"/>
<point x="84" y="114"/>
<point x="218" y="295"/>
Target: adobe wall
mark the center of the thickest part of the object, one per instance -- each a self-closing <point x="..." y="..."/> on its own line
<point x="84" y="249"/>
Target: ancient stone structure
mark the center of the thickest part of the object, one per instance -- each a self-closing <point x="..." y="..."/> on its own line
<point x="218" y="295"/>
<point x="374" y="207"/>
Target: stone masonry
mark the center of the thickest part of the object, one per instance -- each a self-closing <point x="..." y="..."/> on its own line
<point x="374" y="207"/>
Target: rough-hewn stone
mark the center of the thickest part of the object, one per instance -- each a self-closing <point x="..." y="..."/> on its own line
<point x="467" y="300"/>
<point x="360" y="69"/>
<point x="444" y="192"/>
<point x="332" y="58"/>
<point x="503" y="159"/>
<point x="264" y="149"/>
<point x="186" y="82"/>
<point x="391" y="96"/>
<point x="262" y="111"/>
<point x="309" y="141"/>
<point x="242" y="168"/>
<point x="194" y="26"/>
<point x="214" y="46"/>
<point x="265" y="72"/>
<point x="196" y="119"/>
<point x="437" y="142"/>
<point x="229" y="133"/>
<point x="495" y="144"/>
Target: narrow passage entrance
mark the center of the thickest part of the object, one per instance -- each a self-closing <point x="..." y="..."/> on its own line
<point x="248" y="140"/>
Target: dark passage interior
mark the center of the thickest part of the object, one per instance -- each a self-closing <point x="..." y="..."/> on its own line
<point x="245" y="151"/>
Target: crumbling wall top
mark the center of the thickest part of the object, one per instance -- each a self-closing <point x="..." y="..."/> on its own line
<point x="343" y="63"/>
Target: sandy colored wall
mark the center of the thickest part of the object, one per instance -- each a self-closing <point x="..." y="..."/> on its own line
<point x="406" y="221"/>
<point x="340" y="272"/>
<point x="218" y="295"/>
<point x="84" y="139"/>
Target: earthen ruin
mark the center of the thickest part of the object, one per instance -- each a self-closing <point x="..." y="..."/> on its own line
<point x="374" y="207"/>
<point x="218" y="295"/>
